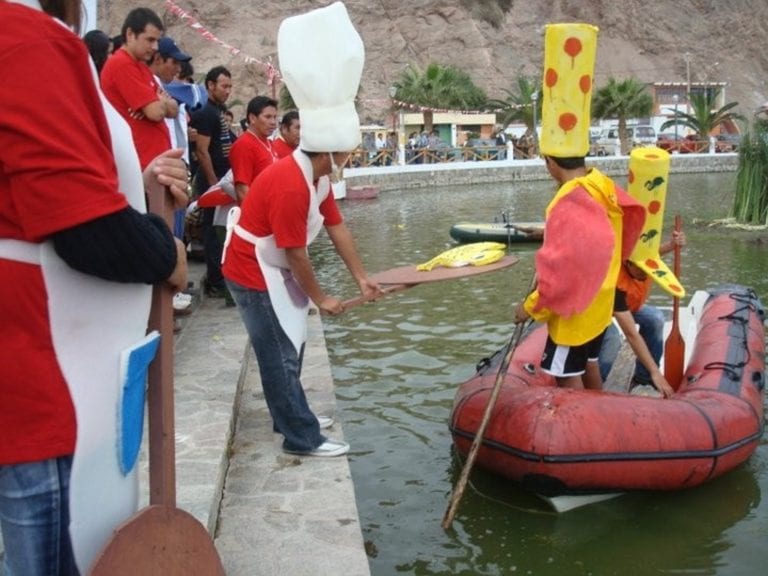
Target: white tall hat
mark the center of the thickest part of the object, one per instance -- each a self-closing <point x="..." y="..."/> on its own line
<point x="321" y="60"/>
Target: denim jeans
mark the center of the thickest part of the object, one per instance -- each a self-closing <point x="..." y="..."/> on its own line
<point x="280" y="369"/>
<point x="34" y="512"/>
<point x="650" y="321"/>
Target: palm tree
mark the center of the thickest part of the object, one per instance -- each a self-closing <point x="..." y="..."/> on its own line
<point x="518" y="106"/>
<point x="438" y="87"/>
<point x="622" y="100"/>
<point x="703" y="120"/>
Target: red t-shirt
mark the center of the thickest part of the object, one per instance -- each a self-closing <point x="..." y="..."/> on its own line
<point x="277" y="203"/>
<point x="47" y="183"/>
<point x="130" y="85"/>
<point x="249" y="156"/>
<point x="282" y="148"/>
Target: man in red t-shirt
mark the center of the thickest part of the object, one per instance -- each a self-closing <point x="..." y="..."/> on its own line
<point x="254" y="151"/>
<point x="131" y="88"/>
<point x="290" y="134"/>
<point x="266" y="265"/>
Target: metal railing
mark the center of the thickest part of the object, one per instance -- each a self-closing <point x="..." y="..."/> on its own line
<point x="389" y="156"/>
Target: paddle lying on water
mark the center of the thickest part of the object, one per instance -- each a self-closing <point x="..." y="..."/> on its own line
<point x="674" y="347"/>
<point x="160" y="539"/>
<point x="478" y="440"/>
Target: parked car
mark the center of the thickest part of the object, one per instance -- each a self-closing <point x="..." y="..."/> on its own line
<point x="670" y="141"/>
<point x="486" y="149"/>
<point x="640" y="135"/>
<point x="728" y="142"/>
<point x="595" y="148"/>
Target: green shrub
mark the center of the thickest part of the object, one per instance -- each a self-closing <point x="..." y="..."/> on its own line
<point x="750" y="203"/>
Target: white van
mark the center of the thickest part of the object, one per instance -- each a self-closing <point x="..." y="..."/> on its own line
<point x="640" y="135"/>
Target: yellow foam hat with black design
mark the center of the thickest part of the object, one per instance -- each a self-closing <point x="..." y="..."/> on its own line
<point x="566" y="90"/>
<point x="648" y="177"/>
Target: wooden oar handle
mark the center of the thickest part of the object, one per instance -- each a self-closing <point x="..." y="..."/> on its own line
<point x="162" y="450"/>
<point x="385" y="291"/>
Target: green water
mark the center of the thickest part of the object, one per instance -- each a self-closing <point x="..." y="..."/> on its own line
<point x="397" y="364"/>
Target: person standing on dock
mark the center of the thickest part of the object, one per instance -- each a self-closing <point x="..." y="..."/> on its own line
<point x="254" y="150"/>
<point x="266" y="264"/>
<point x="290" y="134"/>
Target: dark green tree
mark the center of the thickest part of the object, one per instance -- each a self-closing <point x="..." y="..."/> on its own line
<point x="518" y="105"/>
<point x="285" y="100"/>
<point x="704" y="118"/>
<point x="438" y="86"/>
<point x="622" y="100"/>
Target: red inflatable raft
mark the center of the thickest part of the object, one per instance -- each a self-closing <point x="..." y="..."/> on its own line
<point x="558" y="441"/>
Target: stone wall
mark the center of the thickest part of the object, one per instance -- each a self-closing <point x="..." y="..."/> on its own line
<point x="467" y="173"/>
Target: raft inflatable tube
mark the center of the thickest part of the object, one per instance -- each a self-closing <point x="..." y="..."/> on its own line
<point x="557" y="441"/>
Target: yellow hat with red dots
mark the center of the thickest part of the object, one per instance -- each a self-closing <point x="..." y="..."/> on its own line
<point x="566" y="91"/>
<point x="648" y="176"/>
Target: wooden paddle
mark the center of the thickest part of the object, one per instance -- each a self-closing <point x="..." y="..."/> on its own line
<point x="160" y="539"/>
<point x="478" y="440"/>
<point x="674" y="347"/>
<point x="404" y="277"/>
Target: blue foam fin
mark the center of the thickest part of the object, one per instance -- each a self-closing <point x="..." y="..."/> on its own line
<point x="134" y="364"/>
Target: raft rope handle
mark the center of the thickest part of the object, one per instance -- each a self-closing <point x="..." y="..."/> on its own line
<point x="735" y="369"/>
<point x="751" y="299"/>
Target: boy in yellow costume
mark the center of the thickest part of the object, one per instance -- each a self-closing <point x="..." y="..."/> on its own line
<point x="591" y="226"/>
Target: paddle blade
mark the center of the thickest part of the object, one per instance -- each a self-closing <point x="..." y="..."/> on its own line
<point x="674" y="348"/>
<point x="674" y="357"/>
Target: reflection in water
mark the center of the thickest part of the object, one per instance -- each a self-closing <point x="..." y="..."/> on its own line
<point x="397" y="364"/>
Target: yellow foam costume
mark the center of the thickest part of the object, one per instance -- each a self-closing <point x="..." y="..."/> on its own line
<point x="569" y="62"/>
<point x="648" y="177"/>
<point x="591" y="223"/>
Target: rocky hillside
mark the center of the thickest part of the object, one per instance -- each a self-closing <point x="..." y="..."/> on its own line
<point x="493" y="40"/>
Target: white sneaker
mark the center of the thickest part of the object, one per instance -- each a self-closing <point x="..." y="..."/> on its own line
<point x="327" y="449"/>
<point x="180" y="302"/>
<point x="325" y="422"/>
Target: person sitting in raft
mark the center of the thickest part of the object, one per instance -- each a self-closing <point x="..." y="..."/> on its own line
<point x="642" y="325"/>
<point x="648" y="179"/>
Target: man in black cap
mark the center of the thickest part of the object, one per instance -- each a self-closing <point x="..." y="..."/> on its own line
<point x="165" y="64"/>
